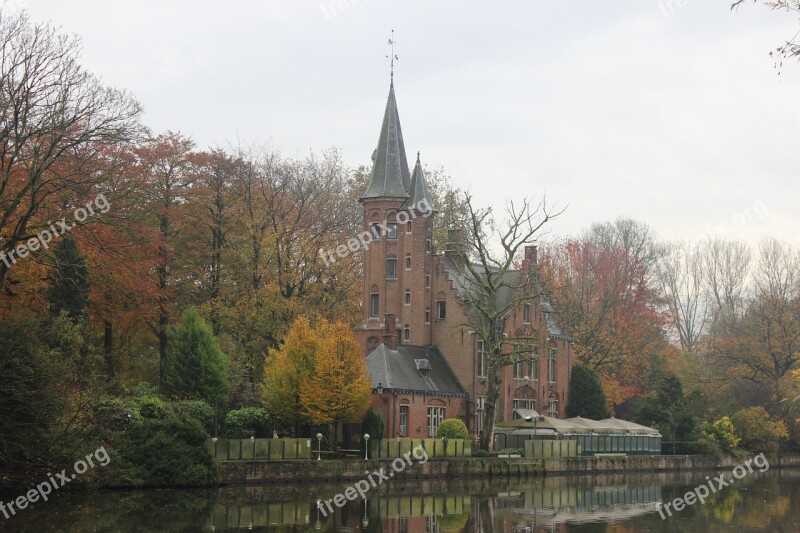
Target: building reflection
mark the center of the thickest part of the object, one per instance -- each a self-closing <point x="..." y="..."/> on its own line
<point x="475" y="505"/>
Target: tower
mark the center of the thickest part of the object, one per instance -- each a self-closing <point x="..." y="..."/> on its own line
<point x="398" y="214"/>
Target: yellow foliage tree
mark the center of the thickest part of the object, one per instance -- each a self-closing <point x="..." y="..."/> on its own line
<point x="288" y="369"/>
<point x="339" y="390"/>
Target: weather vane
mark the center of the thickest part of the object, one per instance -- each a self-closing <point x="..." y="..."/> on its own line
<point x="392" y="56"/>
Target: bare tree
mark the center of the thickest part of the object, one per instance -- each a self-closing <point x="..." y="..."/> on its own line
<point x="791" y="47"/>
<point x="488" y="276"/>
<point x="53" y="116"/>
<point x="681" y="275"/>
<point x="725" y="268"/>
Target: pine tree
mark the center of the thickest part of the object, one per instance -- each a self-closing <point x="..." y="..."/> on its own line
<point x="194" y="367"/>
<point x="586" y="397"/>
<point x="70" y="290"/>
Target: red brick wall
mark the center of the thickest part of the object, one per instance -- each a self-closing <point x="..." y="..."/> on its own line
<point x="388" y="405"/>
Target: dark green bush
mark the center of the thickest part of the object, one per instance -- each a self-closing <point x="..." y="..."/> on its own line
<point x="248" y="422"/>
<point x="373" y="424"/>
<point x="480" y="453"/>
<point x="162" y="452"/>
<point x="152" y="407"/>
<point x="198" y="410"/>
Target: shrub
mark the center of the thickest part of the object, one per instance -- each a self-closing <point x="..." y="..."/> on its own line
<point x="722" y="434"/>
<point x="162" y="452"/>
<point x="453" y="428"/>
<point x="248" y="422"/>
<point x="480" y="453"/>
<point x="759" y="433"/>
<point x="198" y="410"/>
<point x="152" y="407"/>
<point x="372" y="424"/>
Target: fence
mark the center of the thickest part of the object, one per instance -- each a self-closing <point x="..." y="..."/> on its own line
<point x="261" y="449"/>
<point x="551" y="448"/>
<point x="393" y="448"/>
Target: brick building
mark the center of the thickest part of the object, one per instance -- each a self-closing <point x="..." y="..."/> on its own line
<point x="424" y="361"/>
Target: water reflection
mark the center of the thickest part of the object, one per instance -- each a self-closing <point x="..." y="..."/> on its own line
<point x="762" y="502"/>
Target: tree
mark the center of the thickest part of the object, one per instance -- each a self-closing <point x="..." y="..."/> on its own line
<point x="680" y="274"/>
<point x="194" y="366"/>
<point x="492" y="275"/>
<point x="55" y="119"/>
<point x="666" y="408"/>
<point x="760" y="434"/>
<point x="288" y="370"/>
<point x="339" y="389"/>
<point x="70" y="290"/>
<point x="606" y="288"/>
<point x="586" y="397"/>
<point x="722" y="433"/>
<point x="790" y="48"/>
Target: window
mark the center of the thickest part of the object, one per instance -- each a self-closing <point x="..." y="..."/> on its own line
<point x="522" y="404"/>
<point x="376" y="231"/>
<point x="435" y="417"/>
<point x="427" y="282"/>
<point x="408" y="296"/>
<point x="408" y="227"/>
<point x="533" y="362"/>
<point x="552" y="409"/>
<point x="391" y="268"/>
<point x="407" y="333"/>
<point x="403" y="420"/>
<point x="441" y="310"/>
<point x="519" y="370"/>
<point x="408" y="261"/>
<point x="551" y="365"/>
<point x="427" y="315"/>
<point x="520" y="363"/>
<point x="480" y="405"/>
<point x="391" y="231"/>
<point x="526" y="313"/>
<point x="374" y="300"/>
<point x="481" y="360"/>
<point x="428" y="245"/>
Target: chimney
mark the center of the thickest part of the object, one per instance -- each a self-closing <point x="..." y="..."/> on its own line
<point x="390" y="332"/>
<point x="455" y="247"/>
<point x="532" y="254"/>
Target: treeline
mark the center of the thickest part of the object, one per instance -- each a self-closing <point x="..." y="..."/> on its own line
<point x="719" y="316"/>
<point x="109" y="233"/>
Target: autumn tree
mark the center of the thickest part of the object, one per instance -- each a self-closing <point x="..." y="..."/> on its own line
<point x="339" y="390"/>
<point x="288" y="370"/>
<point x="55" y="118"/>
<point x="605" y="286"/>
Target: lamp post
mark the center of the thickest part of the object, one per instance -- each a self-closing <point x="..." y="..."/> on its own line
<point x="366" y="446"/>
<point x="319" y="446"/>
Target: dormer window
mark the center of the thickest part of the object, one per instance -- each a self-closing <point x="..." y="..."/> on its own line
<point x="423" y="365"/>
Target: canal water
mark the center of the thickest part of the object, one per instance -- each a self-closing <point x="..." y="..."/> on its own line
<point x="768" y="501"/>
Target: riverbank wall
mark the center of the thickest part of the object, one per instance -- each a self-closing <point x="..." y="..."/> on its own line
<point x="305" y="471"/>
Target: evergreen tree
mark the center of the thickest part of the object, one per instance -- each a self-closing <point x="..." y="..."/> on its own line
<point x="667" y="409"/>
<point x="194" y="367"/>
<point x="70" y="290"/>
<point x="586" y="397"/>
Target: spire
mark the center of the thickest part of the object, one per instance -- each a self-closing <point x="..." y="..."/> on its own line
<point x="418" y="197"/>
<point x="390" y="177"/>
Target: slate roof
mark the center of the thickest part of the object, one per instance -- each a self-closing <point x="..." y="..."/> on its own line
<point x="419" y="190"/>
<point x="461" y="283"/>
<point x="403" y="370"/>
<point x="390" y="176"/>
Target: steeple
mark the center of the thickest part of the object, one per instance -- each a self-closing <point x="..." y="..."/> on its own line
<point x="390" y="177"/>
<point x="418" y="194"/>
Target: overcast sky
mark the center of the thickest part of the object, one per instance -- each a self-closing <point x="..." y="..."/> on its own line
<point x="668" y="112"/>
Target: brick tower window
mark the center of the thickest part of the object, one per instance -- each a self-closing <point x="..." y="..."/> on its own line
<point x="391" y="231"/>
<point x="408" y="296"/>
<point x="391" y="268"/>
<point x="374" y="304"/>
<point x="408" y="261"/>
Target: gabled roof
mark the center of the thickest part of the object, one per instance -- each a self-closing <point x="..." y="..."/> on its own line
<point x="418" y="195"/>
<point x="416" y="369"/>
<point x="390" y="177"/>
